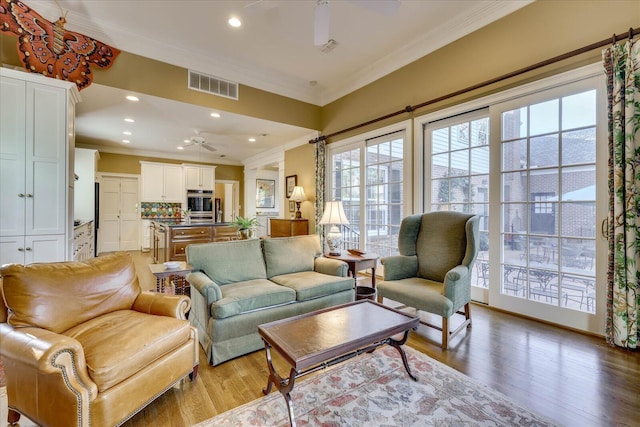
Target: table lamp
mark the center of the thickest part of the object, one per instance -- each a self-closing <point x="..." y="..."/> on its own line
<point x="335" y="216"/>
<point x="298" y="196"/>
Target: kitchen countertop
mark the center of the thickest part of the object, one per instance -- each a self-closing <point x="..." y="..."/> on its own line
<point x="177" y="222"/>
<point x="81" y="223"/>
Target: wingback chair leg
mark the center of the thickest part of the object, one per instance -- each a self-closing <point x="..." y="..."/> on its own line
<point x="445" y="332"/>
<point x="467" y="314"/>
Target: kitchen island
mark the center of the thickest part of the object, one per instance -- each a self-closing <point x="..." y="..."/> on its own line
<point x="171" y="236"/>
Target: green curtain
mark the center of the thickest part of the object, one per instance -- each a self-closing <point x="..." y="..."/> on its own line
<point x="320" y="159"/>
<point x="622" y="67"/>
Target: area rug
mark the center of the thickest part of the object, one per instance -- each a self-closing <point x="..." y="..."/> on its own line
<point x="374" y="390"/>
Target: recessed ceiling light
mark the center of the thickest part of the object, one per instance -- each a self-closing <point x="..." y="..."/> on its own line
<point x="180" y="148"/>
<point x="185" y="141"/>
<point x="252" y="140"/>
<point x="216" y="115"/>
<point x="126" y="141"/>
<point x="128" y="120"/>
<point x="234" y="22"/>
<point x="133" y="98"/>
<point x="126" y="132"/>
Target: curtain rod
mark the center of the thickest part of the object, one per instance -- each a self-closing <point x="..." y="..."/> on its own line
<point x="410" y="108"/>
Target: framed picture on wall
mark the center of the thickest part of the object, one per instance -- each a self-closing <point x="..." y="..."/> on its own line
<point x="291" y="181"/>
<point x="265" y="193"/>
<point x="292" y="206"/>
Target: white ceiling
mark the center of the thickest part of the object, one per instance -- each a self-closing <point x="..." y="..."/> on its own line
<point x="273" y="50"/>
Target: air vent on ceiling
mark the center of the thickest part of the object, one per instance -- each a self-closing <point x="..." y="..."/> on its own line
<point x="215" y="85"/>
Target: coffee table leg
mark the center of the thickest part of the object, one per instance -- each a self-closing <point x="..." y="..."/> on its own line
<point x="283" y="386"/>
<point x="398" y="346"/>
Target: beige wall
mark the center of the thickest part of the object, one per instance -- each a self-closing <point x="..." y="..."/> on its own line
<point x="539" y="31"/>
<point x="299" y="161"/>
<point x="144" y="75"/>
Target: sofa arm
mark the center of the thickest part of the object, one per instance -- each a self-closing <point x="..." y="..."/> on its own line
<point x="333" y="267"/>
<point x="162" y="304"/>
<point x="400" y="267"/>
<point x="205" y="286"/>
<point x="39" y="361"/>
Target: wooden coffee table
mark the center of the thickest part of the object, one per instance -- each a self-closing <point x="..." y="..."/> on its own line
<point x="317" y="340"/>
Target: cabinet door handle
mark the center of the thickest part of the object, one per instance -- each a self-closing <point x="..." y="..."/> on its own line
<point x="28" y="249"/>
<point x="20" y="249"/>
<point x="29" y="195"/>
<point x="20" y="195"/>
<point x="202" y="232"/>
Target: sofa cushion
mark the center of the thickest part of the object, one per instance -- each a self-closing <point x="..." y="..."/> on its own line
<point x="250" y="295"/>
<point x="291" y="254"/>
<point x="119" y="344"/>
<point x="44" y="295"/>
<point x="310" y="284"/>
<point x="228" y="262"/>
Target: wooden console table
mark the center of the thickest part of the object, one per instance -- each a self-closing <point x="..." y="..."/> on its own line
<point x="289" y="227"/>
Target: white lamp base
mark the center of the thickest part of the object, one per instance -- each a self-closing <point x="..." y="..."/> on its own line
<point x="334" y="241"/>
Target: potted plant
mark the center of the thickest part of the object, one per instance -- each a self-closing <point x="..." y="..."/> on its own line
<point x="246" y="226"/>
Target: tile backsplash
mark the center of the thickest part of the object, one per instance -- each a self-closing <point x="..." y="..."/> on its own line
<point x="150" y="210"/>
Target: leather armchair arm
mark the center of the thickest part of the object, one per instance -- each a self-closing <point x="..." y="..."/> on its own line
<point x="399" y="267"/>
<point x="205" y="286"/>
<point x="333" y="267"/>
<point x="31" y="350"/>
<point x="162" y="304"/>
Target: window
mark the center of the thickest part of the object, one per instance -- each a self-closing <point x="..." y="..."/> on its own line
<point x="458" y="153"/>
<point x="549" y="166"/>
<point x="534" y="186"/>
<point x="375" y="218"/>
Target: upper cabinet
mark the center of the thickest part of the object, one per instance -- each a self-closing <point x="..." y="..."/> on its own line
<point x="162" y="182"/>
<point x="36" y="167"/>
<point x="199" y="177"/>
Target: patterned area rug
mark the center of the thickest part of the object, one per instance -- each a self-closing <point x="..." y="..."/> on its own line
<point x="374" y="390"/>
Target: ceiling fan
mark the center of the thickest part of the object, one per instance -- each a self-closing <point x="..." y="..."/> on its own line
<point x="199" y="141"/>
<point x="321" y="13"/>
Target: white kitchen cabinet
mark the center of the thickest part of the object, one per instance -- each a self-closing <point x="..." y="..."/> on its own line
<point x="199" y="177"/>
<point x="162" y="182"/>
<point x="36" y="166"/>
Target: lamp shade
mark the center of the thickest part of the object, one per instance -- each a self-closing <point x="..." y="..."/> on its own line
<point x="334" y="213"/>
<point x="298" y="194"/>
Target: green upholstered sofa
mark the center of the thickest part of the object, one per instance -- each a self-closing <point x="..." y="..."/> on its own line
<point x="239" y="285"/>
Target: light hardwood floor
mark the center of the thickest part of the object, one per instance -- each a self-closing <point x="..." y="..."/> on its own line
<point x="574" y="379"/>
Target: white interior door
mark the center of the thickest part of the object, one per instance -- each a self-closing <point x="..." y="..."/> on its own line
<point x="119" y="215"/>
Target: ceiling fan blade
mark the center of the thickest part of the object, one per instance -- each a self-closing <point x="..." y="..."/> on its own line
<point x="321" y="23"/>
<point x="208" y="147"/>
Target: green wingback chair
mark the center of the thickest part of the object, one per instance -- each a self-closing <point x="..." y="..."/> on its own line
<point x="434" y="268"/>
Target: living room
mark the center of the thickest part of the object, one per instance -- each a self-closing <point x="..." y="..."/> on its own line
<point x="546" y="29"/>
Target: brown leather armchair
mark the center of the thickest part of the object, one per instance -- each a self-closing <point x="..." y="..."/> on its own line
<point x="82" y="345"/>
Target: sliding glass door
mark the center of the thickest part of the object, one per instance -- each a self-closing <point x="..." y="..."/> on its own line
<point x="531" y="162"/>
<point x="368" y="174"/>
